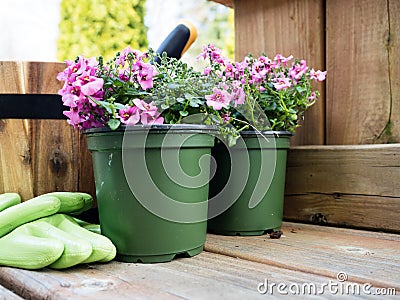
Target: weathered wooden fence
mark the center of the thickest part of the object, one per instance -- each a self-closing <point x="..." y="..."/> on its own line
<point x="357" y="42"/>
<point x="39" y="155"/>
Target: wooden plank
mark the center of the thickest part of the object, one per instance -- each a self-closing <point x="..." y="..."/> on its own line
<point x="11" y="77"/>
<point x="288" y="27"/>
<point x="8" y="295"/>
<point x="353" y="186"/>
<point x="40" y="78"/>
<point x="393" y="135"/>
<point x="86" y="175"/>
<point x="205" y="276"/>
<point x="228" y="3"/>
<point x="358" y="85"/>
<point x="16" y="157"/>
<point x="314" y="250"/>
<point x="55" y="156"/>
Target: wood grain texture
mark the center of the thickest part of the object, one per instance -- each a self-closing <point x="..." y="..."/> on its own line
<point x="315" y="250"/>
<point x="55" y="156"/>
<point x="355" y="186"/>
<point x="358" y="84"/>
<point x="40" y="78"/>
<point x="16" y="157"/>
<point x="230" y="268"/>
<point x="11" y="77"/>
<point x="86" y="175"/>
<point x="393" y="135"/>
<point x="289" y="27"/>
<point x="8" y="295"/>
<point x="205" y="276"/>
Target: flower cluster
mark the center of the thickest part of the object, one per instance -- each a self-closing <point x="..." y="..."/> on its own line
<point x="134" y="89"/>
<point x="147" y="88"/>
<point x="263" y="93"/>
<point x="100" y="94"/>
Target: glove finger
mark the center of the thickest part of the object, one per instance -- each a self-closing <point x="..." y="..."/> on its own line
<point x="73" y="202"/>
<point x="102" y="248"/>
<point x="76" y="250"/>
<point x="21" y="249"/>
<point x="27" y="211"/>
<point x="88" y="226"/>
<point x="9" y="199"/>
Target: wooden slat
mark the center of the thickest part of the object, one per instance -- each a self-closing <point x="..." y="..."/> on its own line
<point x="206" y="276"/>
<point x="40" y="78"/>
<point x="232" y="267"/>
<point x="16" y="158"/>
<point x="54" y="153"/>
<point x="315" y="250"/>
<point x="228" y="3"/>
<point x="287" y="27"/>
<point x="8" y="295"/>
<point x="11" y="78"/>
<point x="394" y="63"/>
<point x="86" y="176"/>
<point x="358" y="84"/>
<point x="344" y="185"/>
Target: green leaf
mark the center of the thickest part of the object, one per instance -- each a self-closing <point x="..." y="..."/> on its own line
<point x="183" y="113"/>
<point x="113" y="124"/>
<point x="164" y="106"/>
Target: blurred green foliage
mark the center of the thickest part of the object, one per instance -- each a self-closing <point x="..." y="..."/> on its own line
<point x="100" y="27"/>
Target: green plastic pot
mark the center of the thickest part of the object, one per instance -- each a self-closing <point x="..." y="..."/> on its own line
<point x="248" y="185"/>
<point x="152" y="189"/>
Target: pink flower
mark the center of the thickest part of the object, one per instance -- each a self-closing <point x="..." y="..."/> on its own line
<point x="120" y="61"/>
<point x="238" y="96"/>
<point x="148" y="119"/>
<point x="226" y="117"/>
<point x="148" y="112"/>
<point x="312" y="97"/>
<point x="90" y="84"/>
<point x="317" y="75"/>
<point x="219" y="99"/>
<point x="130" y="115"/>
<point x="207" y="71"/>
<point x="229" y="70"/>
<point x="74" y="117"/>
<point x="282" y="83"/>
<point x="279" y="59"/>
<point x="148" y="108"/>
<point x="145" y="78"/>
<point x="298" y="70"/>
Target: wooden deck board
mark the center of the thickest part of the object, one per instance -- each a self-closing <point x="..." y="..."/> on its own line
<point x="6" y="294"/>
<point x="312" y="249"/>
<point x="231" y="267"/>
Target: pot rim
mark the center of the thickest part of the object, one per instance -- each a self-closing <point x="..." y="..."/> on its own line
<point x="156" y="128"/>
<point x="267" y="133"/>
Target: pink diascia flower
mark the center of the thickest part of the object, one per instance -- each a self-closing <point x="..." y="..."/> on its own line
<point x="219" y="99"/>
<point x="130" y="115"/>
<point x="298" y="70"/>
<point x="282" y="83"/>
<point x="280" y="59"/>
<point x="148" y="112"/>
<point x="238" y="95"/>
<point x="89" y="85"/>
<point x="120" y="61"/>
<point x="317" y="75"/>
<point x="312" y="97"/>
<point x="226" y="117"/>
<point x="145" y="76"/>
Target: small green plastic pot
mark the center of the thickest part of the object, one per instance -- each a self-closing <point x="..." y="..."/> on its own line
<point x="250" y="182"/>
<point x="152" y="189"/>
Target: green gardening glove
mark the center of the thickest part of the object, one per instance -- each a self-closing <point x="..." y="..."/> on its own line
<point x="33" y="235"/>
